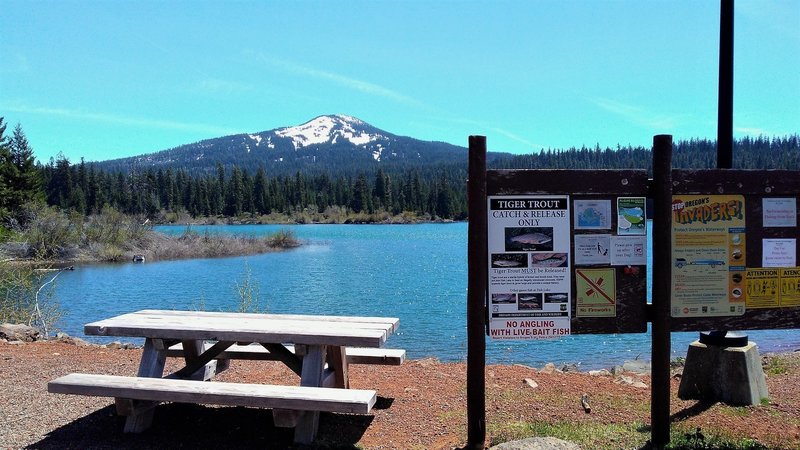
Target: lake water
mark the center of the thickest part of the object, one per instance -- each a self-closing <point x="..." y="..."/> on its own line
<point x="415" y="272"/>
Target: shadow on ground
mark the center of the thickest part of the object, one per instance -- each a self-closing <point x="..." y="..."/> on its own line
<point x="178" y="425"/>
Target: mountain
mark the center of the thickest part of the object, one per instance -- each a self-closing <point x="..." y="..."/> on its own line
<point x="335" y="144"/>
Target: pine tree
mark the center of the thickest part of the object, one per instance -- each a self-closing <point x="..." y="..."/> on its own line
<point x="5" y="170"/>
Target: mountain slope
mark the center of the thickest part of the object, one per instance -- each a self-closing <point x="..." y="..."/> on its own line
<point x="336" y="144"/>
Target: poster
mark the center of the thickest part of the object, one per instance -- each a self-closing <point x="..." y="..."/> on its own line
<point x="779" y="212"/>
<point x="708" y="254"/>
<point x="592" y="249"/>
<point x="629" y="251"/>
<point x="790" y="287"/>
<point x="763" y="288"/>
<point x="631" y="215"/>
<point x="592" y="214"/>
<point x="769" y="287"/>
<point x="779" y="253"/>
<point x="529" y="266"/>
<point x="595" y="293"/>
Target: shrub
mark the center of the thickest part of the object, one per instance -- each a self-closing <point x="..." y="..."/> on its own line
<point x="27" y="298"/>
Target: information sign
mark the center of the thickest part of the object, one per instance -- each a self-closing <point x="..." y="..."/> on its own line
<point x="708" y="255"/>
<point x="529" y="266"/>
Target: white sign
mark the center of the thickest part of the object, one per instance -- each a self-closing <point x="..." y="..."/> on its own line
<point x="779" y="253"/>
<point x="529" y="267"/>
<point x="779" y="212"/>
<point x="629" y="251"/>
<point x="592" y="249"/>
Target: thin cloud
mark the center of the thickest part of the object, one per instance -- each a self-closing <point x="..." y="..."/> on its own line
<point x="122" y="120"/>
<point x="215" y="85"/>
<point x="16" y="63"/>
<point x="509" y="134"/>
<point x="341" y="80"/>
<point x="635" y="114"/>
<point x="752" y="131"/>
<point x="519" y="139"/>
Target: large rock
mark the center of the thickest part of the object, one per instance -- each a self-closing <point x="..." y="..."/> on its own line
<point x="537" y="443"/>
<point x="18" y="332"/>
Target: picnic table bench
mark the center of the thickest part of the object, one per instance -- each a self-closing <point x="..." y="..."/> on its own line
<point x="318" y="348"/>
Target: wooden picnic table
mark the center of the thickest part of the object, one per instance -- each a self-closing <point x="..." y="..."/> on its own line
<point x="315" y="347"/>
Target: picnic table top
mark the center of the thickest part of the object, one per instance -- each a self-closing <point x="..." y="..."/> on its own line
<point x="248" y="327"/>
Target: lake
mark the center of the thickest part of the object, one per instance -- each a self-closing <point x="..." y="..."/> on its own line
<point x="415" y="272"/>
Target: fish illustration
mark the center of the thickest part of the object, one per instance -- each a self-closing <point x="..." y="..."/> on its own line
<point x="557" y="296"/>
<point x="506" y="263"/>
<point x="528" y="298"/>
<point x="500" y="298"/>
<point x="550" y="262"/>
<point x="532" y="238"/>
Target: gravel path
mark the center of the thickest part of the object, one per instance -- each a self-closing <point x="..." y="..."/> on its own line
<point x="421" y="405"/>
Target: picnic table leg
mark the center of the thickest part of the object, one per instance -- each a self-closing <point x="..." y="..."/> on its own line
<point x="140" y="413"/>
<point x="312" y="375"/>
<point x="191" y="350"/>
<point x="337" y="361"/>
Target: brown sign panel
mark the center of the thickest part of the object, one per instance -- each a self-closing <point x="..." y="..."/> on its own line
<point x="758" y="260"/>
<point x="607" y="258"/>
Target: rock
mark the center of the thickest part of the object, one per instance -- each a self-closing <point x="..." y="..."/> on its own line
<point x="585" y="403"/>
<point x="18" y="332"/>
<point x="600" y="373"/>
<point x="537" y="443"/>
<point x="617" y="370"/>
<point x="531" y="383"/>
<point x="630" y="381"/>
<point x="526" y="367"/>
<point x="549" y="368"/>
<point x="637" y="366"/>
<point x="116" y="345"/>
<point x="569" y="368"/>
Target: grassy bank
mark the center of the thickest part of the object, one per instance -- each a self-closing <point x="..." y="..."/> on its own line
<point x="45" y="234"/>
<point x="331" y="215"/>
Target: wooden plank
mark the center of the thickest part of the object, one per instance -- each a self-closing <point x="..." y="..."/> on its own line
<point x="391" y="323"/>
<point x="241" y="328"/>
<point x="337" y="361"/>
<point x="312" y="374"/>
<point x="198" y="359"/>
<point x="140" y="414"/>
<point x="217" y="393"/>
<point x="355" y="355"/>
<point x="569" y="182"/>
<point x="359" y="321"/>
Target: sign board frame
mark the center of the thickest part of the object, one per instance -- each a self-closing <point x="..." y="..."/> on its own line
<point x="754" y="186"/>
<point x="588" y="186"/>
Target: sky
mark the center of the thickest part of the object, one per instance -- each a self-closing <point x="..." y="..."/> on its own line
<point x="109" y="79"/>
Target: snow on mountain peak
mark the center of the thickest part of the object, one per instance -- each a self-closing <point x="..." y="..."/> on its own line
<point x="325" y="129"/>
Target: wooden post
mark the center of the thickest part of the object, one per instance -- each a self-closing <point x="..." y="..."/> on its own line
<point x="725" y="99"/>
<point x="662" y="285"/>
<point x="476" y="294"/>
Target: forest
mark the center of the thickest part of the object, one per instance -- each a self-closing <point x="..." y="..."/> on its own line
<point x="426" y="193"/>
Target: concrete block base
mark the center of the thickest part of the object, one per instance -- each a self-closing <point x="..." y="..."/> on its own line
<point x="731" y="375"/>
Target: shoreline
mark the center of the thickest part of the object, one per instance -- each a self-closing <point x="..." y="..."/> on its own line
<point x="421" y="404"/>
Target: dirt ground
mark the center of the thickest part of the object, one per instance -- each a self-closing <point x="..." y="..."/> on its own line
<point x="421" y="404"/>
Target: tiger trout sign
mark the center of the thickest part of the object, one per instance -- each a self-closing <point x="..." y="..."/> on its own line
<point x="529" y="267"/>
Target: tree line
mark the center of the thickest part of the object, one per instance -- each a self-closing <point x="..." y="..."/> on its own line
<point x="426" y="192"/>
<point x="236" y="192"/>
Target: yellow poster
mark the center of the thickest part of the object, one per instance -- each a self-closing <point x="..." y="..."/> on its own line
<point x="762" y="288"/>
<point x="596" y="294"/>
<point x="708" y="255"/>
<point x="790" y="287"/>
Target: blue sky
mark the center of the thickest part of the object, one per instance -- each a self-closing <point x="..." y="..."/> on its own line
<point x="107" y="79"/>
